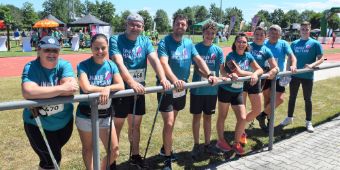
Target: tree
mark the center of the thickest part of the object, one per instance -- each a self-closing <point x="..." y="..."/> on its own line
<point x="178" y="12"/>
<point x="64" y="10"/>
<point x="5" y="14"/>
<point x="162" y="21"/>
<point x="189" y="13"/>
<point x="277" y="17"/>
<point x="334" y="22"/>
<point x="306" y="15"/>
<point x="216" y="13"/>
<point x="119" y="21"/>
<point x="13" y="15"/>
<point x="106" y="11"/>
<point x="201" y="14"/>
<point x="30" y="16"/>
<point x="292" y="16"/>
<point x="147" y="19"/>
<point x="315" y="20"/>
<point x="229" y="12"/>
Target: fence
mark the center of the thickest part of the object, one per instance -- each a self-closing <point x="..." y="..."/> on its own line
<point x="93" y="99"/>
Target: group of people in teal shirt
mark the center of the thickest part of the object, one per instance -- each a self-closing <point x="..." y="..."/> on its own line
<point x="120" y="62"/>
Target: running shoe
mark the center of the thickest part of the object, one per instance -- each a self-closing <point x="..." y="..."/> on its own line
<point x="162" y="153"/>
<point x="137" y="160"/>
<point x="195" y="151"/>
<point x="243" y="139"/>
<point x="224" y="146"/>
<point x="237" y="147"/>
<point x="167" y="164"/>
<point x="287" y="121"/>
<point x="309" y="126"/>
<point x="262" y="122"/>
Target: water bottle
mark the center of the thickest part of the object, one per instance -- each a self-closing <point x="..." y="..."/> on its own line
<point x="285" y="80"/>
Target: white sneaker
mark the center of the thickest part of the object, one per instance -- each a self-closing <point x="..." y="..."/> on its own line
<point x="309" y="126"/>
<point x="287" y="121"/>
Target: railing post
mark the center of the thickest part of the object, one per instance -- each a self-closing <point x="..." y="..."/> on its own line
<point x="95" y="133"/>
<point x="272" y="115"/>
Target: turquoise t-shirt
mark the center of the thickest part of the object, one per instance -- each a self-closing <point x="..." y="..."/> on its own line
<point x="243" y="62"/>
<point x="134" y="54"/>
<point x="35" y="72"/>
<point x="98" y="75"/>
<point x="280" y="49"/>
<point x="213" y="57"/>
<point x="305" y="52"/>
<point x="180" y="55"/>
<point x="261" y="54"/>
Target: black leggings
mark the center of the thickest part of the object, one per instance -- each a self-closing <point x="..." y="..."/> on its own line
<point x="307" y="87"/>
<point x="56" y="139"/>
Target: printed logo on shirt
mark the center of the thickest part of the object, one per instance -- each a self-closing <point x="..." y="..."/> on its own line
<point x="136" y="52"/>
<point x="100" y="80"/>
<point x="108" y="75"/>
<point x="257" y="54"/>
<point x="210" y="59"/>
<point x="47" y="83"/>
<point x="179" y="55"/>
<point x="302" y="49"/>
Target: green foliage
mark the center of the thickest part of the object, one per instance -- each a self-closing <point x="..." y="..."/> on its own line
<point x="148" y="22"/>
<point x="162" y="21"/>
<point x="334" y="22"/>
<point x="229" y="12"/>
<point x="216" y="13"/>
<point x="306" y="15"/>
<point x="264" y="17"/>
<point x="292" y="16"/>
<point x="5" y="14"/>
<point x="315" y="20"/>
<point x="201" y="14"/>
<point x="277" y="16"/>
<point x="12" y="15"/>
<point x="30" y="16"/>
<point x="119" y="21"/>
<point x="64" y="10"/>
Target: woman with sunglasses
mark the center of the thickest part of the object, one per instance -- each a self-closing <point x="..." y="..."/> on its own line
<point x="47" y="77"/>
<point x="238" y="63"/>
<point x="98" y="74"/>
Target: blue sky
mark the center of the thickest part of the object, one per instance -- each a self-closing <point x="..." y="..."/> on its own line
<point x="249" y="7"/>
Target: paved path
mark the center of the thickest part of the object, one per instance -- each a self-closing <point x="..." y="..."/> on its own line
<point x="318" y="150"/>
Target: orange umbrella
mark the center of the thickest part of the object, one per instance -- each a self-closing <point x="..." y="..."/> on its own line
<point x="2" y="24"/>
<point x="45" y="23"/>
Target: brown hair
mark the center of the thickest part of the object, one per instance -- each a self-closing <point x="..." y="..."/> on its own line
<point x="181" y="17"/>
<point x="238" y="36"/>
<point x="210" y="25"/>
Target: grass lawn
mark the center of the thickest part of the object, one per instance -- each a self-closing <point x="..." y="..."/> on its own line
<point x="16" y="152"/>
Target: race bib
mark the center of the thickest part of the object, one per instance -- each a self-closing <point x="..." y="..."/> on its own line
<point x="177" y="94"/>
<point x="204" y="78"/>
<point x="51" y="109"/>
<point x="138" y="75"/>
<point x="105" y="106"/>
<point x="237" y="85"/>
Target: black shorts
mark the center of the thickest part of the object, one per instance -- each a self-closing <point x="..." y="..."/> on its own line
<point x="256" y="89"/>
<point x="203" y="103"/>
<point x="124" y="106"/>
<point x="235" y="98"/>
<point x="279" y="88"/>
<point x="56" y="139"/>
<point x="169" y="103"/>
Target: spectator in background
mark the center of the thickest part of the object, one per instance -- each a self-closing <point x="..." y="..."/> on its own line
<point x="16" y="36"/>
<point x="334" y="37"/>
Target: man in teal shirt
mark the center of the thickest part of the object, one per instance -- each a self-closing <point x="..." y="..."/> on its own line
<point x="309" y="54"/>
<point x="176" y="55"/>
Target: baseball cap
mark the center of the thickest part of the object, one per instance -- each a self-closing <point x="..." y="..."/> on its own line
<point x="49" y="42"/>
<point x="135" y="17"/>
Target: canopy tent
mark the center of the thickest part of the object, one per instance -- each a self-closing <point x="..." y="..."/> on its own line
<point x="87" y="20"/>
<point x="2" y="24"/>
<point x="53" y="18"/>
<point x="200" y="24"/>
<point x="45" y="23"/>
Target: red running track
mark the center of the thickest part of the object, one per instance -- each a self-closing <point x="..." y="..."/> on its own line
<point x="13" y="66"/>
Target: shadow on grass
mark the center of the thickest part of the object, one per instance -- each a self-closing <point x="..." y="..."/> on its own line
<point x="185" y="160"/>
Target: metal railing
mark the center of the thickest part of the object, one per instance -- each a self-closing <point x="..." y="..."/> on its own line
<point x="93" y="99"/>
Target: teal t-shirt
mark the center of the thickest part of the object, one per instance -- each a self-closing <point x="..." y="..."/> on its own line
<point x="35" y="72"/>
<point x="243" y="61"/>
<point x="180" y="55"/>
<point x="280" y="49"/>
<point x="306" y="52"/>
<point x="261" y="54"/>
<point x="213" y="57"/>
<point x="98" y="74"/>
<point x="134" y="54"/>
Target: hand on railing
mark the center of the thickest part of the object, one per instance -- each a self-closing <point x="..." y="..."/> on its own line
<point x="253" y="79"/>
<point x="137" y="87"/>
<point x="212" y="80"/>
<point x="179" y="84"/>
<point x="104" y="96"/>
<point x="166" y="84"/>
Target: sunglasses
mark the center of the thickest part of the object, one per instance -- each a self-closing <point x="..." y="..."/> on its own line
<point x="47" y="50"/>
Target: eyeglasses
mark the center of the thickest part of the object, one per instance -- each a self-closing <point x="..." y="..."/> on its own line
<point x="139" y="26"/>
<point x="47" y="50"/>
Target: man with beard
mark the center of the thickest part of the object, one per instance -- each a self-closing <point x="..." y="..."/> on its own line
<point x="176" y="55"/>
